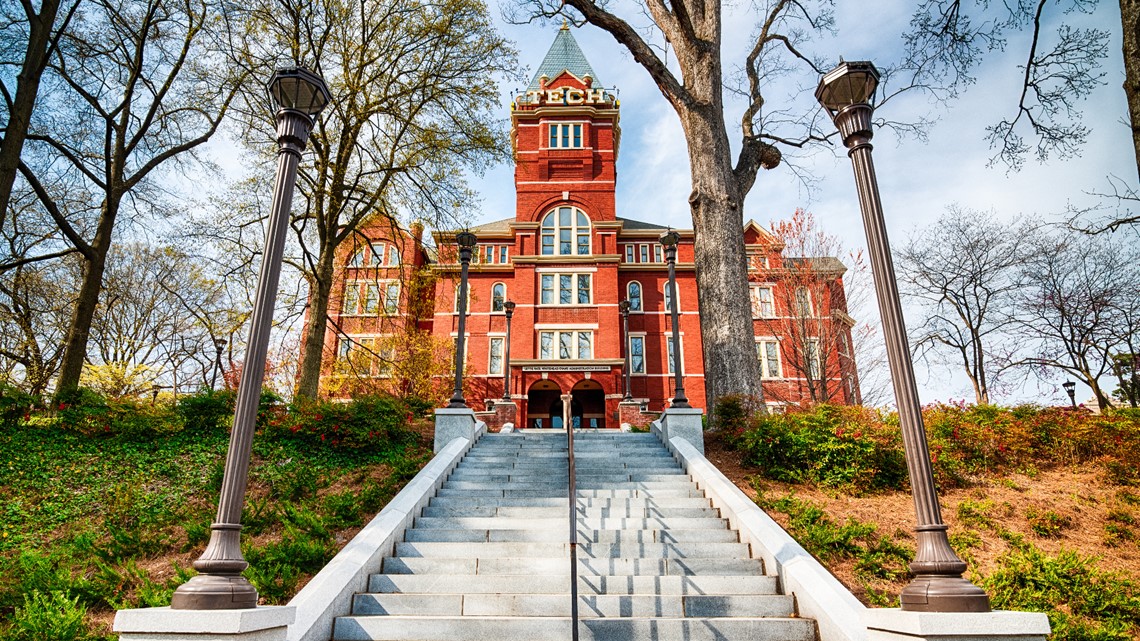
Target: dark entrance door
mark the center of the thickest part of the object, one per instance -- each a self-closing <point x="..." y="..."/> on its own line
<point x="588" y="404"/>
<point x="544" y="405"/>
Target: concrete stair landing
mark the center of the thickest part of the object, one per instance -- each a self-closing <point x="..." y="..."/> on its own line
<point x="488" y="558"/>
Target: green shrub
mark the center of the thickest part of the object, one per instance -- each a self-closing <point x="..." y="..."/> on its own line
<point x="88" y="413"/>
<point x="1083" y="602"/>
<point x="15" y="405"/>
<point x="375" y="423"/>
<point x="1048" y="523"/>
<point x="51" y="616"/>
<point x="208" y="410"/>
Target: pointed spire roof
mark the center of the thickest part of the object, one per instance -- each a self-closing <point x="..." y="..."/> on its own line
<point x="564" y="55"/>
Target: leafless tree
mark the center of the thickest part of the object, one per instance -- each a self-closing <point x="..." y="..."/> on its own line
<point x="40" y="30"/>
<point x="965" y="272"/>
<point x="415" y="103"/>
<point x="137" y="88"/>
<point x="1078" y="305"/>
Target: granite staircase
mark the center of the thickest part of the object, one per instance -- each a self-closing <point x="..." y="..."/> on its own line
<point x="489" y="558"/>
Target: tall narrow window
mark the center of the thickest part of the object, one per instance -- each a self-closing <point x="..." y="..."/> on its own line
<point x="583" y="289"/>
<point x="503" y="255"/>
<point x="566" y="229"/>
<point x="392" y="298"/>
<point x="644" y="253"/>
<point x="812" y="358"/>
<point x="490" y="252"/>
<point x="553" y="135"/>
<point x="371" y="298"/>
<point x="585" y="349"/>
<point x="393" y="255"/>
<point x="577" y="136"/>
<point x="547" y="289"/>
<point x="803" y="302"/>
<point x="495" y="362"/>
<point x="545" y="341"/>
<point x="669" y="299"/>
<point x="768" y="352"/>
<point x="633" y="295"/>
<point x="657" y="254"/>
<point x="565" y="289"/>
<point x="351" y="298"/>
<point x="377" y="255"/>
<point x="669" y="342"/>
<point x="498" y="297"/>
<point x="637" y="354"/>
<point x="629" y="253"/>
<point x="762" y="302"/>
<point x="565" y="344"/>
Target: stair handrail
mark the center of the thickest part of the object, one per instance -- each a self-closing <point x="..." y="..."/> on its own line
<point x="573" y="496"/>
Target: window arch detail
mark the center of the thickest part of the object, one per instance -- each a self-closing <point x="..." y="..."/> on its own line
<point x="498" y="296"/>
<point x="633" y="295"/>
<point x="565" y="232"/>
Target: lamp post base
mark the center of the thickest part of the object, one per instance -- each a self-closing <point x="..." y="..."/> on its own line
<point x="215" y="592"/>
<point x="941" y="593"/>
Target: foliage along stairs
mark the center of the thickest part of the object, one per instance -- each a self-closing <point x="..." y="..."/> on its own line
<point x="489" y="557"/>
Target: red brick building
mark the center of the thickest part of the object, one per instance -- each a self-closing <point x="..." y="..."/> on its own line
<point x="566" y="259"/>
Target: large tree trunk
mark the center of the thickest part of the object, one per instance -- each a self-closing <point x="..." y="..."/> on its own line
<point x="730" y="360"/>
<point x="1130" y="20"/>
<point x="27" y="87"/>
<point x="95" y="262"/>
<point x="312" y="356"/>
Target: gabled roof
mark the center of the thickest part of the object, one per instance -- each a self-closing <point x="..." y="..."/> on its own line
<point x="564" y="55"/>
<point x="630" y="224"/>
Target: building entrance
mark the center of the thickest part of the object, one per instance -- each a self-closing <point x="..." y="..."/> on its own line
<point x="588" y="404"/>
<point x="544" y="405"/>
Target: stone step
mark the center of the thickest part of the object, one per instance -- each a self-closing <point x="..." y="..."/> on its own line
<point x="589" y="523"/>
<point x="558" y="605"/>
<point x="586" y="567"/>
<point x="582" y="477"/>
<point x="563" y="502"/>
<point x="586" y="550"/>
<point x="561" y="493"/>
<point x="523" y="464"/>
<point x="559" y="584"/>
<point x="551" y="512"/>
<point x="557" y="536"/>
<point x="683" y="482"/>
<point x="499" y="628"/>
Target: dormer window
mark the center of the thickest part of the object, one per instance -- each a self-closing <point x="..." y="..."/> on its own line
<point x="565" y="135"/>
<point x="566" y="232"/>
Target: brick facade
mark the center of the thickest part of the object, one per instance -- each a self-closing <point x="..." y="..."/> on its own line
<point x="566" y="332"/>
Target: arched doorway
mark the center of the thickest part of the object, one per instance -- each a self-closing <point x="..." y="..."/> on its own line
<point x="588" y="404"/>
<point x="544" y="405"/>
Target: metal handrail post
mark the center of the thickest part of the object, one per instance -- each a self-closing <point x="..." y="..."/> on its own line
<point x="573" y="496"/>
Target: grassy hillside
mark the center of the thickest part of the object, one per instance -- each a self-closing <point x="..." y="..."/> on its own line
<point x="1042" y="504"/>
<point x="105" y="505"/>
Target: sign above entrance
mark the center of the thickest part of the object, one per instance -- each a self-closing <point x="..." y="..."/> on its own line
<point x="566" y="368"/>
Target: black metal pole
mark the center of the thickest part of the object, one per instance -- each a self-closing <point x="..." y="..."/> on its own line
<point x="624" y="307"/>
<point x="679" y="398"/>
<point x="509" y="308"/>
<point x="465" y="245"/>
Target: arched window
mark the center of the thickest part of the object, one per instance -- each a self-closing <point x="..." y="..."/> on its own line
<point x="357" y="258"/>
<point x="668" y="308"/>
<point x="498" y="296"/>
<point x="566" y="232"/>
<point x="633" y="295"/>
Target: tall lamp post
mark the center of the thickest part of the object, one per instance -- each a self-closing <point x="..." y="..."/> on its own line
<point x="219" y="345"/>
<point x="466" y="241"/>
<point x="1071" y="390"/>
<point x="846" y="93"/>
<point x="670" y="239"/>
<point x="509" y="309"/>
<point x="623" y="307"/>
<point x="299" y="95"/>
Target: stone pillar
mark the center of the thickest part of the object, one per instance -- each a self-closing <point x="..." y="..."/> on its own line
<point x="456" y="422"/>
<point x="684" y="423"/>
<point x="505" y="412"/>
<point x="893" y="624"/>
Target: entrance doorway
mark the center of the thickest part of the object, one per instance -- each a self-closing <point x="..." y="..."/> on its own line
<point x="544" y="405"/>
<point x="588" y="404"/>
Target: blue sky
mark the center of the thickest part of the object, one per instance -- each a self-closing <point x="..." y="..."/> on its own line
<point x="917" y="179"/>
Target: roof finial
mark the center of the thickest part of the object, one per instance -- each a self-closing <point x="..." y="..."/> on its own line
<point x="565" y="25"/>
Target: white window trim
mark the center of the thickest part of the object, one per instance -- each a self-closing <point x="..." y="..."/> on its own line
<point x="502" y="354"/>
<point x="757" y="311"/>
<point x="665" y="308"/>
<point x="575" y="231"/>
<point x="557" y="290"/>
<point x="629" y="347"/>
<point x="555" y="343"/>
<point x="678" y="357"/>
<point x="570" y="133"/>
<point x="505" y="297"/>
<point x="641" y="297"/>
<point x="761" y="340"/>
<point x="810" y="303"/>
